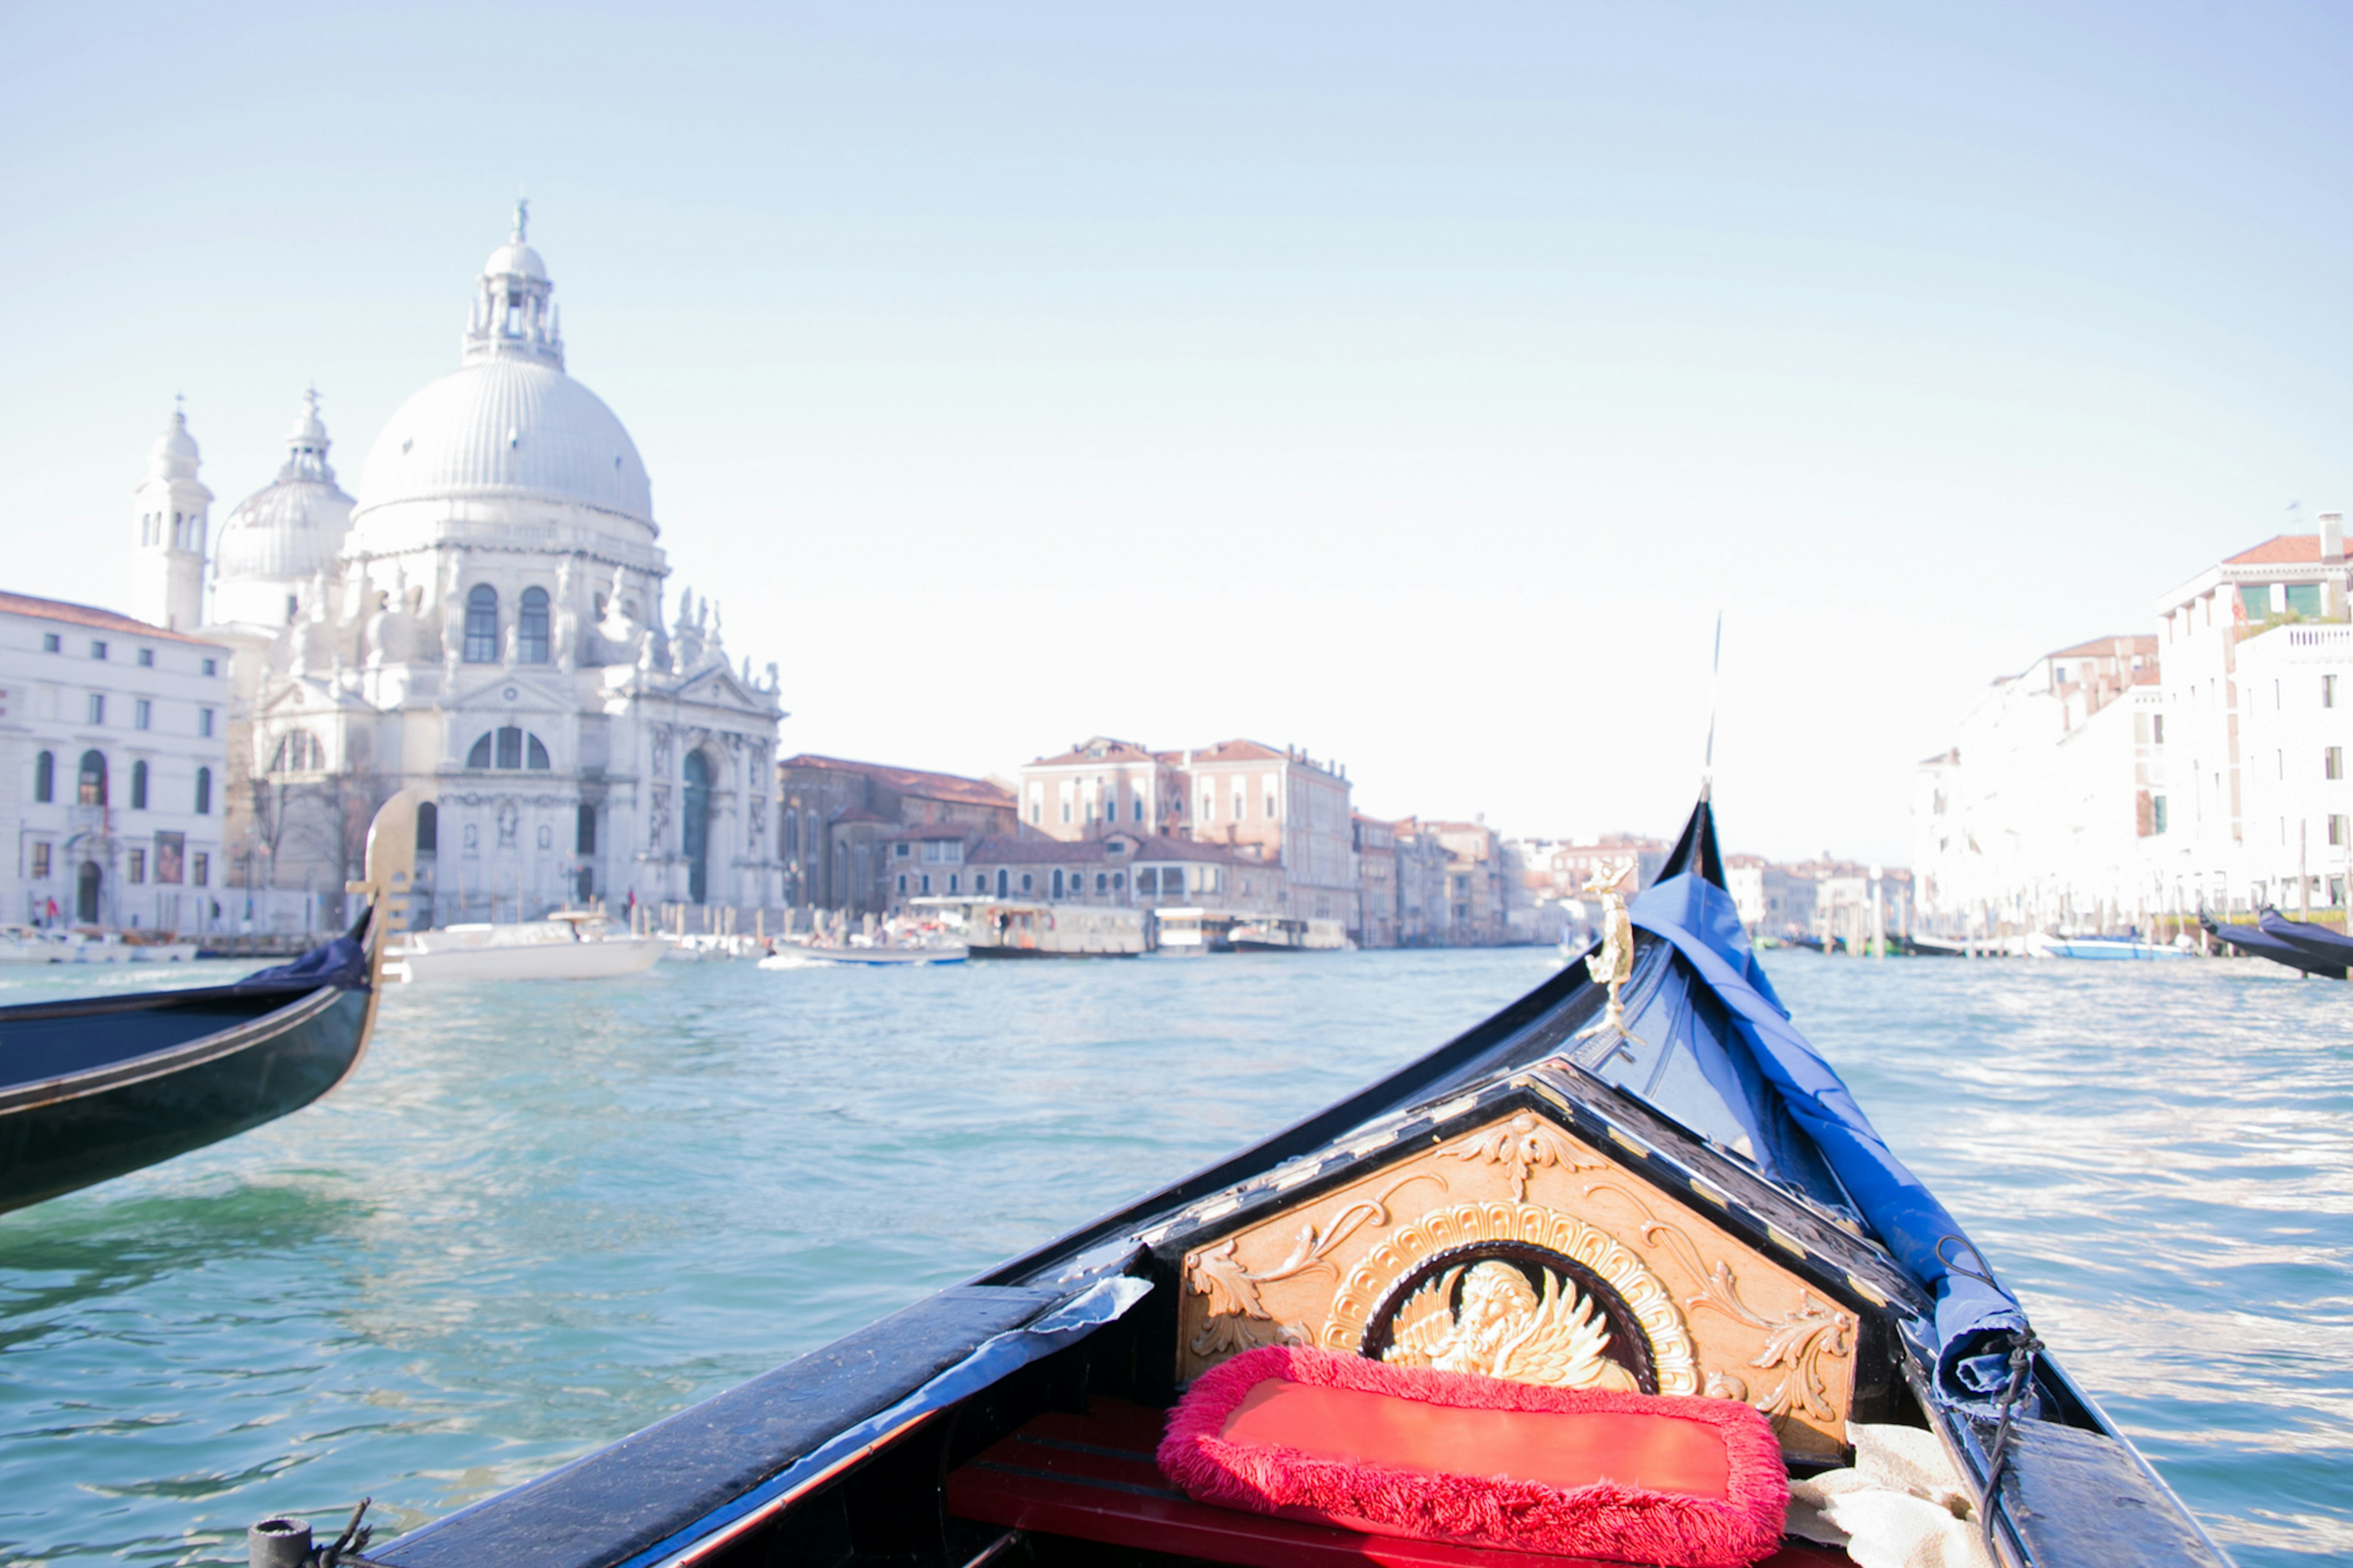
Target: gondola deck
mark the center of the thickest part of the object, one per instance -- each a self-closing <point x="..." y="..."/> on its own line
<point x="1690" y="1205"/>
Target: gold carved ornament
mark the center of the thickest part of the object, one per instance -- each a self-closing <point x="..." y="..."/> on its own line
<point x="1614" y="964"/>
<point x="1238" y="1320"/>
<point x="1795" y="1346"/>
<point x="1503" y="1329"/>
<point x="1521" y="1145"/>
<point x="1503" y="1332"/>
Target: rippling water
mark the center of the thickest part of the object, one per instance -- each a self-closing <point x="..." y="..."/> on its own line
<point x="540" y="1217"/>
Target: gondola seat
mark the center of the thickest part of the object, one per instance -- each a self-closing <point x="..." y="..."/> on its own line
<point x="1094" y="1478"/>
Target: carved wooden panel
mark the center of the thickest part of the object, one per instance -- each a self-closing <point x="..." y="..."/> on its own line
<point x="1520" y="1251"/>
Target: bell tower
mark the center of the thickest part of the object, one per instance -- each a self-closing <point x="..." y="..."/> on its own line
<point x="173" y="510"/>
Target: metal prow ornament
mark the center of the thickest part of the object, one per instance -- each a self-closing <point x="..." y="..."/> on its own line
<point x="1614" y="964"/>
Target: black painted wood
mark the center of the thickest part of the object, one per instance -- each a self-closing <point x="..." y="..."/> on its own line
<point x="620" y="1500"/>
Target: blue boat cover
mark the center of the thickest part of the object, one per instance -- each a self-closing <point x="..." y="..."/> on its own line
<point x="1975" y="1316"/>
<point x="343" y="961"/>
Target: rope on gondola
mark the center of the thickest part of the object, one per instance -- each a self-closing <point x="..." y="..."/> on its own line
<point x="2022" y="1348"/>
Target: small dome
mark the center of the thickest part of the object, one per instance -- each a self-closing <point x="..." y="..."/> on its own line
<point x="513" y="259"/>
<point x="507" y="427"/>
<point x="289" y="530"/>
<point x="173" y="455"/>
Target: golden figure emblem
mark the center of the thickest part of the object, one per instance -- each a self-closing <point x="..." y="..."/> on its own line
<point x="1503" y="1329"/>
<point x="1614" y="964"/>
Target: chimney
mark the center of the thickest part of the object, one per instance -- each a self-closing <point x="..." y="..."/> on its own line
<point x="2332" y="536"/>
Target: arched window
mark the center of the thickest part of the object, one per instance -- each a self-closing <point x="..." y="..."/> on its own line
<point x="298" y="751"/>
<point x="93" y="778"/>
<point x="530" y="627"/>
<point x="429" y="829"/>
<point x="203" y="791"/>
<point x="482" y="624"/>
<point x="139" y="786"/>
<point x="508" y="747"/>
<point x="45" y="778"/>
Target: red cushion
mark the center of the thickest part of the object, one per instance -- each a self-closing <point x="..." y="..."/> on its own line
<point x="1308" y="1434"/>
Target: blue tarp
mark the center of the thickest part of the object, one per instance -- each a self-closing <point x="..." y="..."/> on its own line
<point x="1974" y="1317"/>
<point x="342" y="961"/>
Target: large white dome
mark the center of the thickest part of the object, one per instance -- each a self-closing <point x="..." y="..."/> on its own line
<point x="507" y="427"/>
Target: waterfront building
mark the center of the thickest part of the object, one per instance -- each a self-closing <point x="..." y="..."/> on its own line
<point x="1475" y="902"/>
<point x="1289" y="811"/>
<point x="1101" y="784"/>
<point x="113" y="742"/>
<point x="2037" y="816"/>
<point x="849" y="832"/>
<point x="2294" y="686"/>
<point x="484" y="623"/>
<point x="1292" y="808"/>
<point x="1424" y="917"/>
<point x="1121" y="868"/>
<point x="1377" y="882"/>
<point x="2243" y="733"/>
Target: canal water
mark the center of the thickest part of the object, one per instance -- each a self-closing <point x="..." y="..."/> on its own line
<point x="540" y="1217"/>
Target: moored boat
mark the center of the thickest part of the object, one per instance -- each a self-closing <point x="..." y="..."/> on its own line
<point x="2299" y="945"/>
<point x="93" y="1090"/>
<point x="1020" y="928"/>
<point x="1641" y="1201"/>
<point x="1273" y="934"/>
<point x="2099" y="948"/>
<point x="571" y="944"/>
<point x="880" y="955"/>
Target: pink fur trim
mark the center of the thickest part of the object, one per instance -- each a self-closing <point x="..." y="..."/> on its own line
<point x="1603" y="1520"/>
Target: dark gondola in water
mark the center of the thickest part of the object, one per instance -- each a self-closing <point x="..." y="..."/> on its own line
<point x="1687" y="1174"/>
<point x="2291" y="944"/>
<point x="96" y="1089"/>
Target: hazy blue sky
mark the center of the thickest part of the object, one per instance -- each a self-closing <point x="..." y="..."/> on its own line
<point x="1412" y="383"/>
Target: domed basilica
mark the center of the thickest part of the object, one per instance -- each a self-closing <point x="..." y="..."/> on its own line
<point x="484" y="623"/>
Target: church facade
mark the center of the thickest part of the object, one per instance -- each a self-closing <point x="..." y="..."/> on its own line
<point x="483" y="622"/>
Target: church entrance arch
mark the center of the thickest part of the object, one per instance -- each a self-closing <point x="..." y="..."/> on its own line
<point x="695" y="828"/>
<point x="86" y="893"/>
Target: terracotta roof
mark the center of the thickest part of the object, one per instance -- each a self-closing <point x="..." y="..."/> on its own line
<point x="2108" y="647"/>
<point x="1090" y="851"/>
<point x="1112" y="752"/>
<point x="1239" y="751"/>
<point x="912" y="780"/>
<point x="923" y="830"/>
<point x="92" y="616"/>
<point x="2282" y="550"/>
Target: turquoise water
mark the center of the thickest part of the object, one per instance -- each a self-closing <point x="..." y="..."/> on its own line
<point x="540" y="1217"/>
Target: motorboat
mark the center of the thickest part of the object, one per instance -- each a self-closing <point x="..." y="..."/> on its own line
<point x="2131" y="950"/>
<point x="1275" y="934"/>
<point x="570" y="945"/>
<point x="94" y="1090"/>
<point x="66" y="945"/>
<point x="881" y="954"/>
<point x="1634" y="1207"/>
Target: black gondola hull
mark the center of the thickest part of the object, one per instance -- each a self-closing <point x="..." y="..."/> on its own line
<point x="65" y="1133"/>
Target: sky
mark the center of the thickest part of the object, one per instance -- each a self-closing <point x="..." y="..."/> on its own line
<point x="1415" y="384"/>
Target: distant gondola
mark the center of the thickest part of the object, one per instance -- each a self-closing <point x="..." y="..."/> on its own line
<point x="1678" y="1199"/>
<point x="96" y="1089"/>
<point x="2287" y="942"/>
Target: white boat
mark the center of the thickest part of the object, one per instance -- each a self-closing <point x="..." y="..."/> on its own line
<point x="878" y="956"/>
<point x="35" y="944"/>
<point x="570" y="945"/>
<point x="2103" y="947"/>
